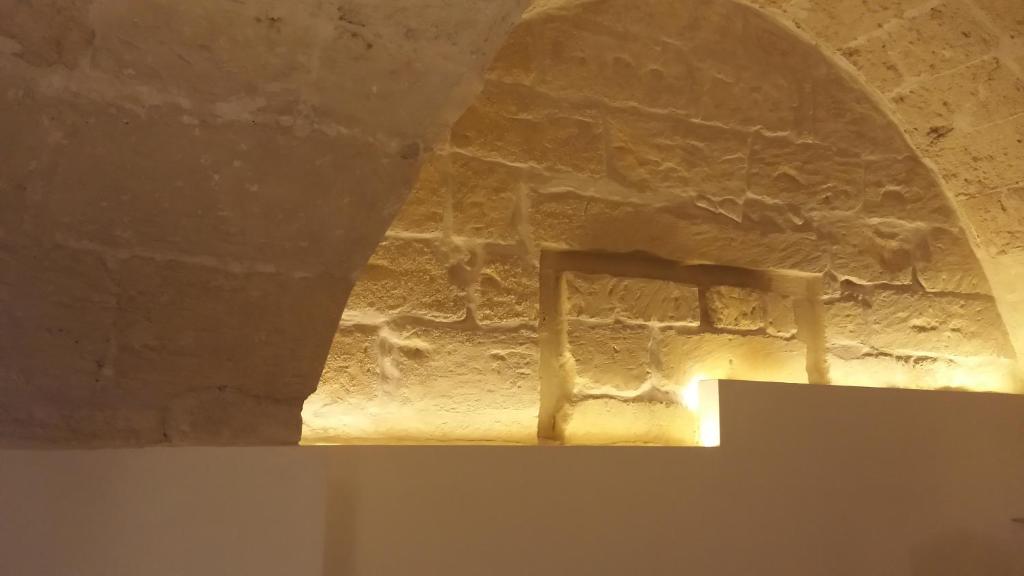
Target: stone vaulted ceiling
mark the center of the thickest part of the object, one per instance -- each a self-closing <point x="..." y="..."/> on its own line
<point x="189" y="190"/>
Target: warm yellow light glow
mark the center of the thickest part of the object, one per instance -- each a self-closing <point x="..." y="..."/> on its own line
<point x="690" y="393"/>
<point x="705" y="407"/>
<point x="710" y="433"/>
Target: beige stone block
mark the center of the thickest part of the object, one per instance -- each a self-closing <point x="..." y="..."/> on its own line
<point x="508" y="290"/>
<point x="352" y="368"/>
<point x="728" y="356"/>
<point x="812" y="176"/>
<point x="979" y="93"/>
<point x="603" y="421"/>
<point x="560" y="142"/>
<point x="568" y="220"/>
<point x="998" y="220"/>
<point x="780" y="317"/>
<point x="848" y="322"/>
<point x="423" y="210"/>
<point x="951" y="264"/>
<point x="904" y="187"/>
<point x="485" y="198"/>
<point x="413" y="277"/>
<point x="873" y="250"/>
<point x="922" y="323"/>
<point x="441" y="385"/>
<point x="736" y="308"/>
<point x="976" y="374"/>
<point x="610" y="357"/>
<point x="604" y="297"/>
<point x="582" y="58"/>
<point x="663" y="157"/>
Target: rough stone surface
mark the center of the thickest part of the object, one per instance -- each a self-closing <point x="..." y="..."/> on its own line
<point x="603" y="297"/>
<point x="739" y="357"/>
<point x="611" y="357"/>
<point x="416" y="277"/>
<point x="224" y="170"/>
<point x="705" y="133"/>
<point x="257" y="168"/>
<point x="737" y="308"/>
<point x="413" y="394"/>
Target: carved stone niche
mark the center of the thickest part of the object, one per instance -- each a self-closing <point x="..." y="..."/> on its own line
<point x="622" y="335"/>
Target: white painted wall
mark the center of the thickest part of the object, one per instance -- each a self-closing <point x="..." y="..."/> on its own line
<point x="809" y="481"/>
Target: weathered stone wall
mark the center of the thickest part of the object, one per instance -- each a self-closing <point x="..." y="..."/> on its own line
<point x="695" y="133"/>
<point x="187" y="189"/>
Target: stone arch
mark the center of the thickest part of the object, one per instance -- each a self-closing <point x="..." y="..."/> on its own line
<point x="642" y="193"/>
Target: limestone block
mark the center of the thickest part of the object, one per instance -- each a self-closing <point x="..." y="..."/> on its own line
<point x="424" y="209"/>
<point x="663" y="156"/>
<point x="979" y="93"/>
<point x="352" y="369"/>
<point x="485" y="198"/>
<point x="609" y="421"/>
<point x="951" y="264"/>
<point x="411" y="277"/>
<point x="812" y="176"/>
<point x="736" y="308"/>
<point x="610" y="357"/>
<point x="998" y="220"/>
<point x="848" y="322"/>
<point x="560" y="143"/>
<point x="904" y="187"/>
<point x="937" y="324"/>
<point x="173" y="315"/>
<point x="454" y="384"/>
<point x="508" y="289"/>
<point x="573" y="221"/>
<point x="780" y="317"/>
<point x="578" y="57"/>
<point x="874" y="250"/>
<point x="765" y="358"/>
<point x="757" y="74"/>
<point x="603" y="297"/>
<point x="976" y="374"/>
